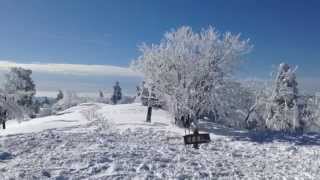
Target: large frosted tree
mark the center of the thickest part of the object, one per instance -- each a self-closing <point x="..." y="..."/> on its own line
<point x="191" y="69"/>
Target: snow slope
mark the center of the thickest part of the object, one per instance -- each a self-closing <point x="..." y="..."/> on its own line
<point x="70" y="117"/>
<point x="123" y="116"/>
<point x="97" y="141"/>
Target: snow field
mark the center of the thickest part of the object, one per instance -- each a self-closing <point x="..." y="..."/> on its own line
<point x="120" y="145"/>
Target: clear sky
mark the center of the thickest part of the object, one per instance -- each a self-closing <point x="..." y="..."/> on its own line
<point x="107" y="32"/>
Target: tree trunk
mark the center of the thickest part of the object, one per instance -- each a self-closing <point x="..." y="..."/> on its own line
<point x="248" y="115"/>
<point x="149" y="114"/>
<point x="196" y="145"/>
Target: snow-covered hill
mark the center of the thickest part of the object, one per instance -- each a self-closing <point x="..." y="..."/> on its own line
<point x="98" y="141"/>
<point x="122" y="117"/>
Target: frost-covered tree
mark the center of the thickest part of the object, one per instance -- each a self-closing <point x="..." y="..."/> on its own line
<point x="101" y="94"/>
<point x="257" y="97"/>
<point x="102" y="99"/>
<point x="19" y="82"/>
<point x="315" y="126"/>
<point x="152" y="99"/>
<point x="59" y="95"/>
<point x="138" y="91"/>
<point x="36" y="106"/>
<point x="8" y="103"/>
<point x="117" y="95"/>
<point x="309" y="113"/>
<point x="69" y="99"/>
<point x="46" y="101"/>
<point x="144" y="94"/>
<point x="238" y="105"/>
<point x="190" y="69"/>
<point x="284" y="110"/>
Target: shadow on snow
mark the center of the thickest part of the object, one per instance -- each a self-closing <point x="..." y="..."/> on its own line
<point x="302" y="139"/>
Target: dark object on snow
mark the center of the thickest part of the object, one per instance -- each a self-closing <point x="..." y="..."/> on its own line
<point x="196" y="133"/>
<point x="3" y="118"/>
<point x="5" y="156"/>
<point x="3" y="124"/>
<point x="196" y="139"/>
<point x="149" y="114"/>
<point x="186" y="122"/>
<point x="46" y="173"/>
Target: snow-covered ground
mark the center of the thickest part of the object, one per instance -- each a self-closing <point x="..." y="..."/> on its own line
<point x="98" y="141"/>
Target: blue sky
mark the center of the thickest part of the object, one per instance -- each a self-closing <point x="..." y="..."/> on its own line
<point x="107" y="32"/>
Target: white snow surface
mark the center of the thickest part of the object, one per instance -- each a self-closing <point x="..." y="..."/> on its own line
<point x="99" y="141"/>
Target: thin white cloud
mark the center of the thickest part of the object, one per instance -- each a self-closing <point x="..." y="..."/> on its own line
<point x="72" y="69"/>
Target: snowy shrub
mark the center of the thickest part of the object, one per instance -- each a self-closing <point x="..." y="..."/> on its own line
<point x="316" y="119"/>
<point x="59" y="95"/>
<point x="192" y="70"/>
<point x="103" y="99"/>
<point x="44" y="111"/>
<point x="126" y="100"/>
<point x="104" y="125"/>
<point x="90" y="114"/>
<point x="256" y="110"/>
<point x="310" y="114"/>
<point x="69" y="99"/>
<point x="43" y="106"/>
<point x="237" y="103"/>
